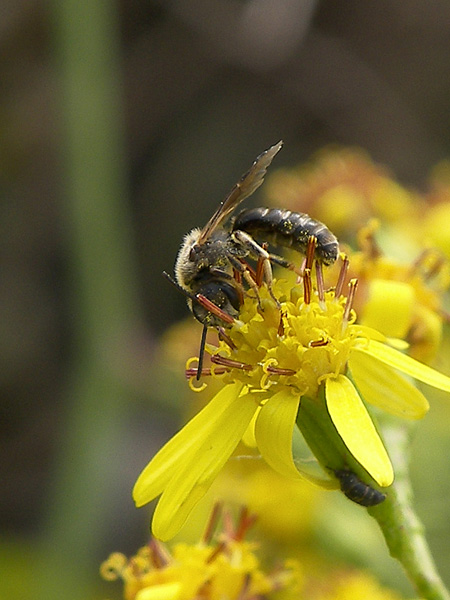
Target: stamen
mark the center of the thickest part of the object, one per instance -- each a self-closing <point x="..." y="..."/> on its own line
<point x="367" y="241"/>
<point x="228" y="362"/>
<point x="318" y="343"/>
<point x="240" y="290"/>
<point x="226" y="338"/>
<point x="307" y="286"/>
<point x="259" y="276"/>
<point x="341" y="278"/>
<point x="430" y="261"/>
<point x="246" y="520"/>
<point x="320" y="283"/>
<point x="217" y="550"/>
<point x="193" y="372"/>
<point x="212" y="522"/>
<point x="310" y="250"/>
<point x="280" y="330"/>
<point x="159" y="555"/>
<point x="349" y="303"/>
<point x="213" y="308"/>
<point x="280" y="371"/>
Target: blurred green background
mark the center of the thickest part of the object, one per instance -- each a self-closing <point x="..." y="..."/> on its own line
<point x="122" y="125"/>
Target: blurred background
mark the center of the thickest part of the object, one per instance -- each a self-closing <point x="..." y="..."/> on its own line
<point x="122" y="125"/>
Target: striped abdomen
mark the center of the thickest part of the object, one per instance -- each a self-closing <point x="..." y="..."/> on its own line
<point x="289" y="229"/>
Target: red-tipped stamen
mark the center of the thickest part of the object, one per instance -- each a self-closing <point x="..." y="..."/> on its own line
<point x="212" y="557"/>
<point x="259" y="275"/>
<point x="212" y="522"/>
<point x="246" y="520"/>
<point x="207" y="372"/>
<point x="318" y="343"/>
<point x="280" y="330"/>
<point x="160" y="557"/>
<point x="320" y="283"/>
<point x="353" y="284"/>
<point x="213" y="308"/>
<point x="217" y="359"/>
<point x="226" y="338"/>
<point x="280" y="370"/>
<point x="240" y="290"/>
<point x="307" y="286"/>
<point x="341" y="278"/>
<point x="422" y="264"/>
<point x="310" y="250"/>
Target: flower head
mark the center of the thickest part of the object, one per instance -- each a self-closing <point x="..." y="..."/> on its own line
<point x="227" y="568"/>
<point x="295" y="345"/>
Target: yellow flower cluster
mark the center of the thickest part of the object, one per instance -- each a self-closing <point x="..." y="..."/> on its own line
<point x="304" y="344"/>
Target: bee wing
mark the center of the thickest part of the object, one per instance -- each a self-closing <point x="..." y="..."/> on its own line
<point x="248" y="183"/>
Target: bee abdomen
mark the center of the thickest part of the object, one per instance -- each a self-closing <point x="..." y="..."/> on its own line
<point x="289" y="229"/>
<point x="358" y="491"/>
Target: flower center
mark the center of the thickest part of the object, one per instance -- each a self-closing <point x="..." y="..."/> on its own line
<point x="295" y="336"/>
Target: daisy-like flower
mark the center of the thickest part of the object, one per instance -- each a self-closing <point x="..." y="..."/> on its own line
<point x="211" y="570"/>
<point x="297" y="347"/>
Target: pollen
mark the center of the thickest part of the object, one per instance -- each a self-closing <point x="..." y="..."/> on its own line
<point x="295" y="337"/>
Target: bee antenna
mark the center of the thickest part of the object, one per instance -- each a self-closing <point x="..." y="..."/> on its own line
<point x="201" y="352"/>
<point x="178" y="286"/>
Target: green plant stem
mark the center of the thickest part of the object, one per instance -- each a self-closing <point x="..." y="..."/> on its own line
<point x="102" y="309"/>
<point x="401" y="527"/>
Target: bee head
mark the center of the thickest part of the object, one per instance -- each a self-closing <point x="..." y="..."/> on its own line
<point x="221" y="293"/>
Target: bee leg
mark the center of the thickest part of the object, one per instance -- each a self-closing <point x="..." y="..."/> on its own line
<point x="255" y="250"/>
<point x="286" y="264"/>
<point x="243" y="269"/>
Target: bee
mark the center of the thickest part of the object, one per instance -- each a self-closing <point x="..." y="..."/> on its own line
<point x="358" y="491"/>
<point x="211" y="260"/>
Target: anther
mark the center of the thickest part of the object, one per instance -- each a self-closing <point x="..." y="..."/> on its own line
<point x="212" y="522"/>
<point x="213" y="308"/>
<point x="259" y="275"/>
<point x="318" y="343"/>
<point x="280" y="330"/>
<point x="320" y="283"/>
<point x="307" y="286"/>
<point x="193" y="372"/>
<point x="341" y="278"/>
<point x="226" y="338"/>
<point x="349" y="302"/>
<point x="310" y="250"/>
<point x="280" y="371"/>
<point x="159" y="555"/>
<point x="228" y="362"/>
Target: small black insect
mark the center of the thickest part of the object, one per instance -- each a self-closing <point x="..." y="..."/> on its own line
<point x="358" y="491"/>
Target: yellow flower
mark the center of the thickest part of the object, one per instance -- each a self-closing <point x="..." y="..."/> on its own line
<point x="228" y="568"/>
<point x="304" y="345"/>
<point x="401" y="299"/>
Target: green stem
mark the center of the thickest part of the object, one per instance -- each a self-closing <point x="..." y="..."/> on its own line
<point x="401" y="527"/>
<point x="104" y="310"/>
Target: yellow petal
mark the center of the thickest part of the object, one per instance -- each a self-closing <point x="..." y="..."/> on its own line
<point x="191" y="481"/>
<point x="274" y="432"/>
<point x="381" y="386"/>
<point x="405" y="363"/>
<point x="249" y="434"/>
<point x="274" y="429"/>
<point x="355" y="427"/>
<point x="166" y="462"/>
<point x="162" y="591"/>
<point x="389" y="307"/>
